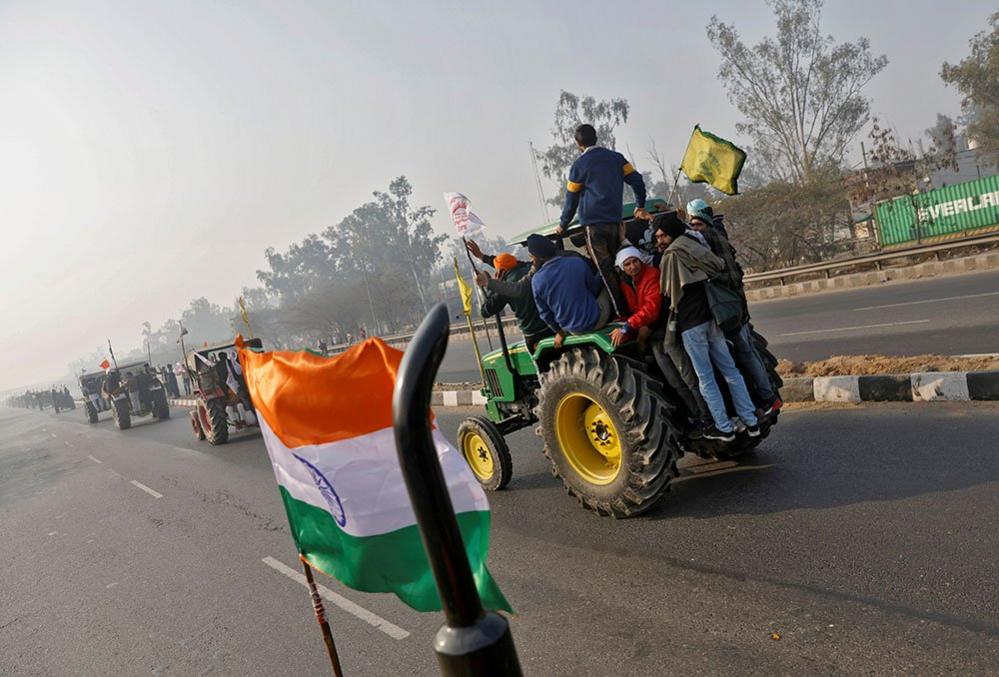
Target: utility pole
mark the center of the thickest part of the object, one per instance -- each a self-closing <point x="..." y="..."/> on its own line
<point x="537" y="179"/>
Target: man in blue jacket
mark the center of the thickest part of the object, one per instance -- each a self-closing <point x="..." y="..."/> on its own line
<point x="569" y="295"/>
<point x="596" y="188"/>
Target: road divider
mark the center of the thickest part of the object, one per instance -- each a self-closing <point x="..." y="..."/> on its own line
<point x="369" y="617"/>
<point x="951" y="386"/>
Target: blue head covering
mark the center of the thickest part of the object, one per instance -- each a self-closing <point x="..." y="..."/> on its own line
<point x="699" y="209"/>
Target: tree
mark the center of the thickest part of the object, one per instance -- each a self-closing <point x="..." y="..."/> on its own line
<point x="977" y="78"/>
<point x="785" y="224"/>
<point x="571" y="112"/>
<point x="799" y="91"/>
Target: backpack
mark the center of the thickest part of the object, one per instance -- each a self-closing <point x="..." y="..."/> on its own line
<point x="725" y="304"/>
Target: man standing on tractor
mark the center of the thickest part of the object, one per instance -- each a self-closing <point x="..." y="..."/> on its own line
<point x="569" y="295"/>
<point x="687" y="266"/>
<point x="596" y="188"/>
<point x="510" y="287"/>
<point x="746" y="357"/>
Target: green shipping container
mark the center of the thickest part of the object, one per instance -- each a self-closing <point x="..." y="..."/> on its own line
<point x="944" y="212"/>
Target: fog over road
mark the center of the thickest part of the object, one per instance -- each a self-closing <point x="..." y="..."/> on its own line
<point x="951" y="315"/>
<point x="865" y="536"/>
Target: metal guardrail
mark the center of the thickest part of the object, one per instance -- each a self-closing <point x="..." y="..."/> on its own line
<point x="781" y="274"/>
<point x="826" y="267"/>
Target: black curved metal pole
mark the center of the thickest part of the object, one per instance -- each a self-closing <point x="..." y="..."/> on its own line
<point x="472" y="641"/>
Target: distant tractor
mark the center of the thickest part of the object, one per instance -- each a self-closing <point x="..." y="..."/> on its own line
<point x="223" y="401"/>
<point x="94" y="401"/>
<point x="134" y="391"/>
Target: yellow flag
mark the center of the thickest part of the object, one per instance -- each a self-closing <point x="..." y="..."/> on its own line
<point x="713" y="160"/>
<point x="245" y="316"/>
<point x="465" y="289"/>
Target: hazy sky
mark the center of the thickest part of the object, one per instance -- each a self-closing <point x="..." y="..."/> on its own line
<point x="151" y="151"/>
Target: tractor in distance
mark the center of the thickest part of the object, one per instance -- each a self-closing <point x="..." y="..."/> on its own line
<point x="134" y="391"/>
<point x="219" y="389"/>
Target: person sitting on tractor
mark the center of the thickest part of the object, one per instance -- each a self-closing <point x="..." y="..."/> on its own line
<point x="569" y="295"/>
<point x="640" y="287"/>
<point x="746" y="357"/>
<point x="687" y="266"/>
<point x="511" y="286"/>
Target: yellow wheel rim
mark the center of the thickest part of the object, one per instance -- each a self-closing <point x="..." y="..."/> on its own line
<point x="478" y="456"/>
<point x="588" y="438"/>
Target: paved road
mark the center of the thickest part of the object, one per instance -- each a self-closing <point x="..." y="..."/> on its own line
<point x="864" y="536"/>
<point x="952" y="315"/>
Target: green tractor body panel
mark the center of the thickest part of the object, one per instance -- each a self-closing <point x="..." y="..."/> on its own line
<point x="500" y="384"/>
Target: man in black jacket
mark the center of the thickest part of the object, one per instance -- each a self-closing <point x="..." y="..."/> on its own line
<point x="510" y="287"/>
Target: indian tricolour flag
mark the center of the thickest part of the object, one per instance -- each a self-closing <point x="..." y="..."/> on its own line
<point x="327" y="424"/>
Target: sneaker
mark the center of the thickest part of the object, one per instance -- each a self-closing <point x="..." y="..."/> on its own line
<point x="713" y="433"/>
<point x="772" y="409"/>
<point x="753" y="430"/>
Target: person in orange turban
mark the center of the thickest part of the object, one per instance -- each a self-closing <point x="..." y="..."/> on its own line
<point x="511" y="286"/>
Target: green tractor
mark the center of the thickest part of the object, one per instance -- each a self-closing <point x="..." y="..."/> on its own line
<point x="613" y="429"/>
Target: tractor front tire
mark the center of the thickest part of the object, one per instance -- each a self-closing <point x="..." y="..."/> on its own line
<point x="161" y="406"/>
<point x="607" y="432"/>
<point x="486" y="452"/>
<point x="214" y="421"/>
<point x="122" y="416"/>
<point x="91" y="412"/>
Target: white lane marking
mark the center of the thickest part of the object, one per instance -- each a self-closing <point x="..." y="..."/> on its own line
<point x="151" y="492"/>
<point x="372" y="619"/>
<point x="53" y="434"/>
<point x="111" y="585"/>
<point x="860" y="326"/>
<point x="940" y="300"/>
<point x="53" y="533"/>
<point x="95" y="460"/>
<point x="67" y="444"/>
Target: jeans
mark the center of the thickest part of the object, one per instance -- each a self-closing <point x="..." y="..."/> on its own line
<point x="752" y="366"/>
<point x="603" y="240"/>
<point x="707" y="348"/>
<point x="677" y="375"/>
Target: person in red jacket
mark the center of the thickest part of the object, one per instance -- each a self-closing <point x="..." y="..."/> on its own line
<point x="641" y="291"/>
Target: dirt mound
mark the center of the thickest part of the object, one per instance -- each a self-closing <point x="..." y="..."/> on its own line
<point x="868" y="365"/>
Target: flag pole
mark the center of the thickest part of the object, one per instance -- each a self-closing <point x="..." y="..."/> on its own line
<point x="475" y="271"/>
<point x="676" y="182"/>
<point x="317" y="606"/>
<point x="471" y="329"/>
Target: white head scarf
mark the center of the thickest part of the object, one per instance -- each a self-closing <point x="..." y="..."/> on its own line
<point x="626" y="253"/>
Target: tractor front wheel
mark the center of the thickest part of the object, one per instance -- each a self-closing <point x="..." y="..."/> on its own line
<point x="161" y="405"/>
<point x="121" y="413"/>
<point x="486" y="452"/>
<point x="607" y="432"/>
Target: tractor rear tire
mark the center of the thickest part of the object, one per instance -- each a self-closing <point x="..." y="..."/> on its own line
<point x="121" y="414"/>
<point x="607" y="432"/>
<point x="486" y="452"/>
<point x="91" y="412"/>
<point x="215" y="421"/>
